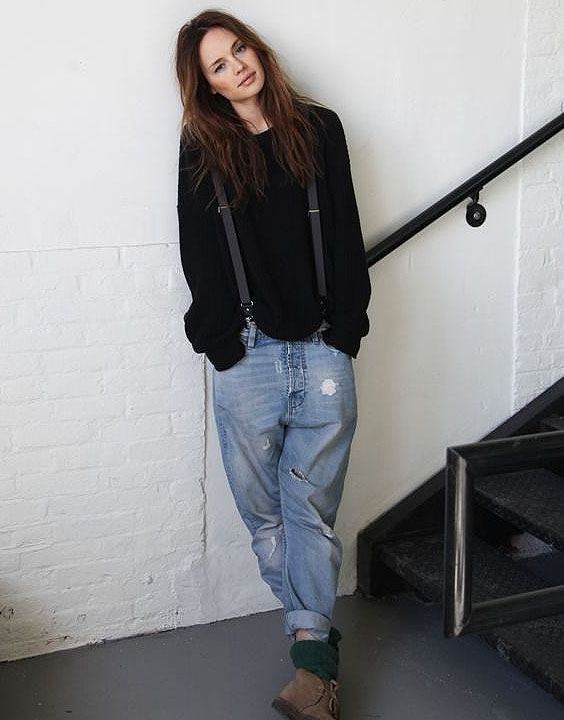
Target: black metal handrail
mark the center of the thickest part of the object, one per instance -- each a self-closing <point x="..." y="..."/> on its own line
<point x="469" y="189"/>
<point x="464" y="464"/>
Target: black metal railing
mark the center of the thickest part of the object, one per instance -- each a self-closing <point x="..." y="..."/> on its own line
<point x="475" y="214"/>
<point x="465" y="463"/>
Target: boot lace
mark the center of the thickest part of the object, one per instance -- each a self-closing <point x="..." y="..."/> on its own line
<point x="333" y="700"/>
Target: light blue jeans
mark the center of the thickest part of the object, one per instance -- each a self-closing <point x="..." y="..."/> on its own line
<point x="285" y="415"/>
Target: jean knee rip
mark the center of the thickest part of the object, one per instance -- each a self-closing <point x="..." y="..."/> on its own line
<point x="299" y="474"/>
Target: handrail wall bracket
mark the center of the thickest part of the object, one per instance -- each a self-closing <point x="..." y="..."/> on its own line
<point x="475" y="212"/>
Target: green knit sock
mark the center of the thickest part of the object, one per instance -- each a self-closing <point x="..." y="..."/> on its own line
<point x="318" y="656"/>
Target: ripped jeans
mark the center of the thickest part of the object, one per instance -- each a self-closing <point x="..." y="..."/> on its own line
<point x="285" y="415"/>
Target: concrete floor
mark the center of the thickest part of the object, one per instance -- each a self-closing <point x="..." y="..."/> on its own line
<point x="395" y="664"/>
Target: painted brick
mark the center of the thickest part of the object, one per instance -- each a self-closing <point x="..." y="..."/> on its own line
<point x="37" y="435"/>
<point x="539" y="301"/>
<point x="72" y="482"/>
<point x="76" y="260"/>
<point x="72" y="384"/>
<point x="20" y="389"/>
<point x="15" y="263"/>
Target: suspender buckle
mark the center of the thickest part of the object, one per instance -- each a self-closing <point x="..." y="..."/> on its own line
<point x="247" y="312"/>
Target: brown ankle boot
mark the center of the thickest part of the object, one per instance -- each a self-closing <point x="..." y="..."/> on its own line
<point x="308" y="697"/>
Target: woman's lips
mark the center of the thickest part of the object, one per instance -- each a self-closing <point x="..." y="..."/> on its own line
<point x="249" y="80"/>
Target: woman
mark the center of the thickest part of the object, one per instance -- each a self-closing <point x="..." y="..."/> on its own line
<point x="284" y="393"/>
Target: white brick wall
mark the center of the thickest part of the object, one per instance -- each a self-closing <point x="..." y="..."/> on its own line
<point x="539" y="329"/>
<point x="101" y="434"/>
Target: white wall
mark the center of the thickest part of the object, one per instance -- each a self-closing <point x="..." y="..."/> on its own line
<point x="539" y="338"/>
<point x="116" y="517"/>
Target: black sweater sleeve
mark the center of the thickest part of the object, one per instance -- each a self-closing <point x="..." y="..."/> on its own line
<point x="351" y="287"/>
<point x="213" y="305"/>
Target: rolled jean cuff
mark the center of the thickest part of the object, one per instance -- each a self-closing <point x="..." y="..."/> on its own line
<point x="315" y="623"/>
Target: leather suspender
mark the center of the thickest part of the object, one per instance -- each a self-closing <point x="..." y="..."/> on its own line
<point x="227" y="217"/>
<point x="315" y="222"/>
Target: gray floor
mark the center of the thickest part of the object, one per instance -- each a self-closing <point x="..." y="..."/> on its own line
<point x="395" y="664"/>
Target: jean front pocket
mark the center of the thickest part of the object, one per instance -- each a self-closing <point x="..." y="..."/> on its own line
<point x="333" y="350"/>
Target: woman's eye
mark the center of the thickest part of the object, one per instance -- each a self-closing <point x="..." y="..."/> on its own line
<point x="242" y="46"/>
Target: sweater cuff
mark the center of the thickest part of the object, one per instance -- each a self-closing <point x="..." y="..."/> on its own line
<point x="227" y="354"/>
<point x="346" y="335"/>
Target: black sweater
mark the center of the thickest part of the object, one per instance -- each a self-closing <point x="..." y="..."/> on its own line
<point x="275" y="240"/>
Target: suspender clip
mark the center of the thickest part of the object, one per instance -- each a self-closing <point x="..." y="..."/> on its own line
<point x="247" y="312"/>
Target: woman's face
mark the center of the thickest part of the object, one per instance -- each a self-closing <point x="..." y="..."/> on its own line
<point x="226" y="62"/>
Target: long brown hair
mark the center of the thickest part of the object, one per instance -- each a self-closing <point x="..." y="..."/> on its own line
<point x="210" y="123"/>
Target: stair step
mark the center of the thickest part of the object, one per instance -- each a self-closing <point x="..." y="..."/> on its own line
<point x="534" y="646"/>
<point x="533" y="500"/>
<point x="553" y="422"/>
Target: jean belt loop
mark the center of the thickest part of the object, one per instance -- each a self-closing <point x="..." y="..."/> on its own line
<point x="252" y="334"/>
<point x="315" y="337"/>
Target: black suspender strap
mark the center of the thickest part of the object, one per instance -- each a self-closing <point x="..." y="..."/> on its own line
<point x="234" y="249"/>
<point x="315" y="222"/>
<point x="237" y="260"/>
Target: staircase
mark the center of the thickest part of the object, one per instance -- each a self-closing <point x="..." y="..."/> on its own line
<point x="405" y="549"/>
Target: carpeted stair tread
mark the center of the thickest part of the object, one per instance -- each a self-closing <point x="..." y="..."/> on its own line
<point x="533" y="500"/>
